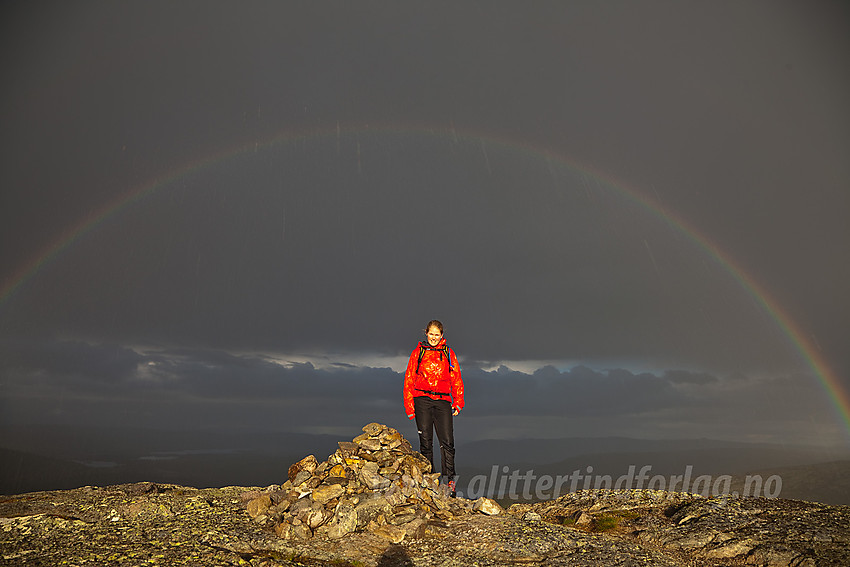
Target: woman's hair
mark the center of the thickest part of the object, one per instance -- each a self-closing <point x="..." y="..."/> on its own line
<point x="434" y="323"/>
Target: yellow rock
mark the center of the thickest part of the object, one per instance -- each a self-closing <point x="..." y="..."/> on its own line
<point x="389" y="532"/>
<point x="337" y="470"/>
<point x="259" y="505"/>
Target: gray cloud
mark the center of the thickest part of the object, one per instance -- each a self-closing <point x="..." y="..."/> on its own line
<point x="208" y="389"/>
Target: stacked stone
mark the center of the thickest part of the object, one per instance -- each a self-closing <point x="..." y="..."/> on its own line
<point x="376" y="483"/>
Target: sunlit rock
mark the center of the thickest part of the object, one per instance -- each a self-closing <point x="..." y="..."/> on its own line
<point x="488" y="506"/>
<point x="308" y="464"/>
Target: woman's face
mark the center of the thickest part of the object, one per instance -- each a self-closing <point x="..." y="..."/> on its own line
<point x="434" y="335"/>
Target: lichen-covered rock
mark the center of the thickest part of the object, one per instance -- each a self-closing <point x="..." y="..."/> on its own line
<point x="332" y="517"/>
<point x="344" y="521"/>
<point x="708" y="531"/>
<point x="259" y="505"/>
<point x="372" y="509"/>
<point x="127" y="525"/>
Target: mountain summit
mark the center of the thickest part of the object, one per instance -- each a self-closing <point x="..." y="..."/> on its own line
<point x="375" y="502"/>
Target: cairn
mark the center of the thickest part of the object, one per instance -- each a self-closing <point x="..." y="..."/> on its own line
<point x="376" y="482"/>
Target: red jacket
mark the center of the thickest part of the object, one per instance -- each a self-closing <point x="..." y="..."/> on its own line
<point x="436" y="378"/>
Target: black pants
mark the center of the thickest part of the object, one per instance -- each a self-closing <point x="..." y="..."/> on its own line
<point x="436" y="414"/>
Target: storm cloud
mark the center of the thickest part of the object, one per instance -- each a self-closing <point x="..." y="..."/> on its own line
<point x="212" y="390"/>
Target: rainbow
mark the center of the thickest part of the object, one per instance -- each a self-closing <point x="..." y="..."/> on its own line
<point x="797" y="337"/>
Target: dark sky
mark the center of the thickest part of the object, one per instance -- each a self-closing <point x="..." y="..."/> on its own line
<point x="220" y="214"/>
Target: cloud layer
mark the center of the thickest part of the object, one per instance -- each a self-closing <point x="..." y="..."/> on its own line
<point x="100" y="385"/>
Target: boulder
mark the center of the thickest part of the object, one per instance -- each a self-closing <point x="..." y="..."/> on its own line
<point x="259" y="505"/>
<point x="487" y="506"/>
<point x="325" y="493"/>
<point x="308" y="464"/>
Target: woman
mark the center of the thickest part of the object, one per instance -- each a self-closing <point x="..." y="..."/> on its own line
<point x="433" y="393"/>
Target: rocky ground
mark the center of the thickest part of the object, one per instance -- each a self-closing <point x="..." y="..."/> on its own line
<point x="374" y="502"/>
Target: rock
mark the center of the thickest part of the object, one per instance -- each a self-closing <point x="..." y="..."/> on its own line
<point x="316" y="516"/>
<point x="308" y="464"/>
<point x="299" y="506"/>
<point x="393" y="439"/>
<point x="348" y="448"/>
<point x="341" y="480"/>
<point x="487" y="506"/>
<point x="259" y="505"/>
<point x="370" y="509"/>
<point x="431" y="480"/>
<point x="730" y="549"/>
<point x="400" y="519"/>
<point x="337" y="471"/>
<point x="372" y="480"/>
<point x="300" y="531"/>
<point x="360" y="438"/>
<point x="323" y="494"/>
<point x="283" y="530"/>
<point x="415" y="465"/>
<point x="369" y="444"/>
<point x="389" y="532"/>
<point x="344" y="521"/>
<point x="301" y="477"/>
<point x="374" y="429"/>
